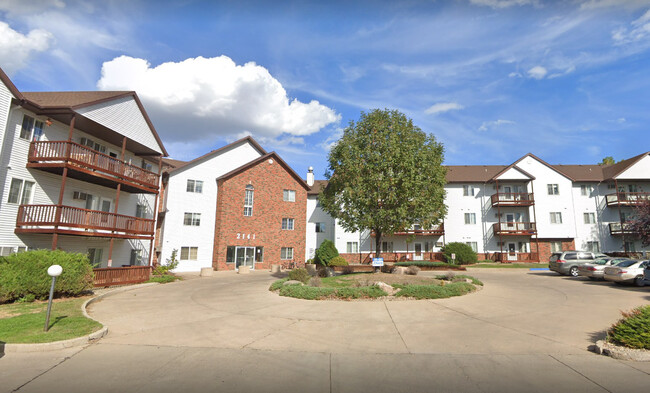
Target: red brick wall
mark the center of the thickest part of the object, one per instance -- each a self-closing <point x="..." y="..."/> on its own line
<point x="545" y="247"/>
<point x="269" y="181"/>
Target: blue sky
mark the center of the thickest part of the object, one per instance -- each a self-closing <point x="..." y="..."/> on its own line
<point x="491" y="79"/>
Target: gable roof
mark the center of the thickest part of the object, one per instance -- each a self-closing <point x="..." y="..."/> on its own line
<point x="319" y="185"/>
<point x="513" y="166"/>
<point x="249" y="139"/>
<point x="173" y="163"/>
<point x="586" y="173"/>
<point x="262" y="159"/>
<point x="10" y="85"/>
<point x="612" y="171"/>
<point x="472" y="173"/>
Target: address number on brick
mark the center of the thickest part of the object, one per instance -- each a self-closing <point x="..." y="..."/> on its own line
<point x="246" y="236"/>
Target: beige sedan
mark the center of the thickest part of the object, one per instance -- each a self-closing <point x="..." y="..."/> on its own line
<point x="630" y="271"/>
<point x="596" y="269"/>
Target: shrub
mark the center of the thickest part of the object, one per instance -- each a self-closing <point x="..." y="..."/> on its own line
<point x="305" y="292"/>
<point x="412" y="270"/>
<point x="278" y="284"/>
<point x="171" y="264"/>
<point x="164" y="279"/>
<point x="464" y="253"/>
<point x="387" y="268"/>
<point x="24" y="274"/>
<point x="447" y="276"/>
<point x="360" y="292"/>
<point x="325" y="272"/>
<point x="435" y="291"/>
<point x="347" y="270"/>
<point x="633" y="330"/>
<point x="309" y="261"/>
<point x="338" y="261"/>
<point x="325" y="253"/>
<point x="466" y="277"/>
<point x="424" y="264"/>
<point x="315" y="282"/>
<point x="301" y="274"/>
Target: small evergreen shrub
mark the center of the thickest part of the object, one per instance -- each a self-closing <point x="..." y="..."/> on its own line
<point x="301" y="274"/>
<point x="435" y="291"/>
<point x="464" y="253"/>
<point x="171" y="264"/>
<point x="338" y="261"/>
<point x="278" y="284"/>
<point x="24" y="274"/>
<point x="633" y="330"/>
<point x="325" y="253"/>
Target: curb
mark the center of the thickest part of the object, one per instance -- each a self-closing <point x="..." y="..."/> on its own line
<point x="602" y="347"/>
<point x="73" y="342"/>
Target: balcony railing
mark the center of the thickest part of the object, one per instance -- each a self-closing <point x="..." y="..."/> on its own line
<point x="82" y="222"/>
<point x="515" y="228"/>
<point x="53" y="154"/>
<point x="433" y="231"/>
<point x="615" y="228"/>
<point x="513" y="199"/>
<point x="627" y="198"/>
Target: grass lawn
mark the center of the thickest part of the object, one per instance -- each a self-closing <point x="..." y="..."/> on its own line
<point x="507" y="265"/>
<point x="23" y="322"/>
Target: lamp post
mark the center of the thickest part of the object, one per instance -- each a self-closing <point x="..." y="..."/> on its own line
<point x="54" y="271"/>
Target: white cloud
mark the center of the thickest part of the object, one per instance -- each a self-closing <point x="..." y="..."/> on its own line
<point x="537" y="72"/>
<point x="639" y="29"/>
<point x="504" y="3"/>
<point x="23" y="7"/>
<point x="442" y="107"/>
<point x="514" y="75"/>
<point x="16" y="48"/>
<point x="567" y="71"/>
<point x="206" y="99"/>
<point x="598" y="4"/>
<point x="490" y="125"/>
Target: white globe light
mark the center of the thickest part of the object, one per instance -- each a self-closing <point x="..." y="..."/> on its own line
<point x="55" y="271"/>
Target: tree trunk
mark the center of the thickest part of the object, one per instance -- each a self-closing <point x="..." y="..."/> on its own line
<point x="377" y="243"/>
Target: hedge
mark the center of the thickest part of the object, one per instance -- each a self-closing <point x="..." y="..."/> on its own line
<point x="24" y="275"/>
<point x="464" y="253"/>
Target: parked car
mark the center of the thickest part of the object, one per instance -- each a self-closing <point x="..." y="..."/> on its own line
<point x="567" y="262"/>
<point x="596" y="269"/>
<point x="647" y="274"/>
<point x="630" y="271"/>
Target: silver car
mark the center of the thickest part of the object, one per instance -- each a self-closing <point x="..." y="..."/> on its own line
<point x="630" y="271"/>
<point x="567" y="262"/>
<point x="596" y="269"/>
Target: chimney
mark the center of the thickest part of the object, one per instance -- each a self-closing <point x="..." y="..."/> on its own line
<point x="310" y="176"/>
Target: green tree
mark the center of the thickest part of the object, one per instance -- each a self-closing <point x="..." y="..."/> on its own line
<point x="385" y="174"/>
<point x="641" y="222"/>
<point x="609" y="160"/>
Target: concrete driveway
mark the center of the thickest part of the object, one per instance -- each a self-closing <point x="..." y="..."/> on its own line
<point x="525" y="331"/>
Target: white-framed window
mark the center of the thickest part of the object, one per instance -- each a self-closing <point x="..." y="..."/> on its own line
<point x="20" y="191"/>
<point x="289" y="195"/>
<point x="287" y="224"/>
<point x="141" y="210"/>
<point x="556" y="218"/>
<point x="556" y="246"/>
<point x="248" y="201"/>
<point x="387" y="246"/>
<point x="629" y="247"/>
<point x="192" y="219"/>
<point x="195" y="186"/>
<point x="586" y="189"/>
<point x="352" y="247"/>
<point x="286" y="253"/>
<point x="589" y="218"/>
<point x="553" y="189"/>
<point x="320" y="227"/>
<point x="468" y="190"/>
<point x="473" y="245"/>
<point x="93" y="145"/>
<point x="31" y="129"/>
<point x="593" y="246"/>
<point x="189" y="253"/>
<point x="470" y="218"/>
<point x="95" y="256"/>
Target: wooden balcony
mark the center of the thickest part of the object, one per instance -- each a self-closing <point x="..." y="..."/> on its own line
<point x="67" y="220"/>
<point x="615" y="228"/>
<point x="512" y="199"/>
<point x="515" y="228"/>
<point x="91" y="166"/>
<point x="507" y="257"/>
<point x="627" y="198"/>
<point x="433" y="231"/>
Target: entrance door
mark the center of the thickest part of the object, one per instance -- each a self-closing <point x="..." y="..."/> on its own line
<point x="507" y="190"/>
<point x="417" y="255"/>
<point x="512" y="252"/>
<point x="245" y="256"/>
<point x="510" y="221"/>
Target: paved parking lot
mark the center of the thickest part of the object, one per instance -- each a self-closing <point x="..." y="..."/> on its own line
<point x="524" y="331"/>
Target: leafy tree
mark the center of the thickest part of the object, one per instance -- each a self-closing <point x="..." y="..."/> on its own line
<point x="609" y="160"/>
<point x="641" y="222"/>
<point x="385" y="174"/>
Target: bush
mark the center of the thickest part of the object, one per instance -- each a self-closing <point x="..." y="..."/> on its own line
<point x="360" y="292"/>
<point x="24" y="274"/>
<point x="164" y="279"/>
<point x="301" y="274"/>
<point x="171" y="264"/>
<point x="305" y="292"/>
<point x="633" y="330"/>
<point x="413" y="270"/>
<point x="338" y="261"/>
<point x="464" y="253"/>
<point x="424" y="264"/>
<point x="325" y="253"/>
<point x="460" y="277"/>
<point x="278" y="284"/>
<point x="315" y="282"/>
<point x="347" y="270"/>
<point x="435" y="291"/>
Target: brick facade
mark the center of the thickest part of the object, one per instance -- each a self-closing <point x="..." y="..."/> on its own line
<point x="269" y="177"/>
<point x="545" y="247"/>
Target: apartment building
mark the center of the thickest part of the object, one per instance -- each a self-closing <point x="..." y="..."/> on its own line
<point x="237" y="205"/>
<point x="518" y="212"/>
<point x="79" y="171"/>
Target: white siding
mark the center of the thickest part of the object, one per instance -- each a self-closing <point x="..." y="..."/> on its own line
<point x="513" y="174"/>
<point x="640" y="170"/>
<point x="316" y="214"/>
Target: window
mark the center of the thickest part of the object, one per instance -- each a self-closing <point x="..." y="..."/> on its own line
<point x="136" y="258"/>
<point x="586" y="189"/>
<point x="470" y="218"/>
<point x="468" y="190"/>
<point x="31" y="129"/>
<point x="93" y="145"/>
<point x="147" y="166"/>
<point x="556" y="246"/>
<point x="320" y="227"/>
<point x="195" y="186"/>
<point x="556" y="218"/>
<point x="352" y="247"/>
<point x="141" y="210"/>
<point x="230" y="254"/>
<point x="629" y="247"/>
<point x="611" y="186"/>
<point x="287" y="224"/>
<point x="473" y="245"/>
<point x="20" y="191"/>
<point x="189" y="253"/>
<point x="289" y="195"/>
<point x="259" y="254"/>
<point x="387" y="246"/>
<point x="286" y="253"/>
<point x="248" y="201"/>
<point x="593" y="247"/>
<point x="192" y="219"/>
<point x="590" y="218"/>
<point x="95" y="256"/>
<point x="553" y="189"/>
